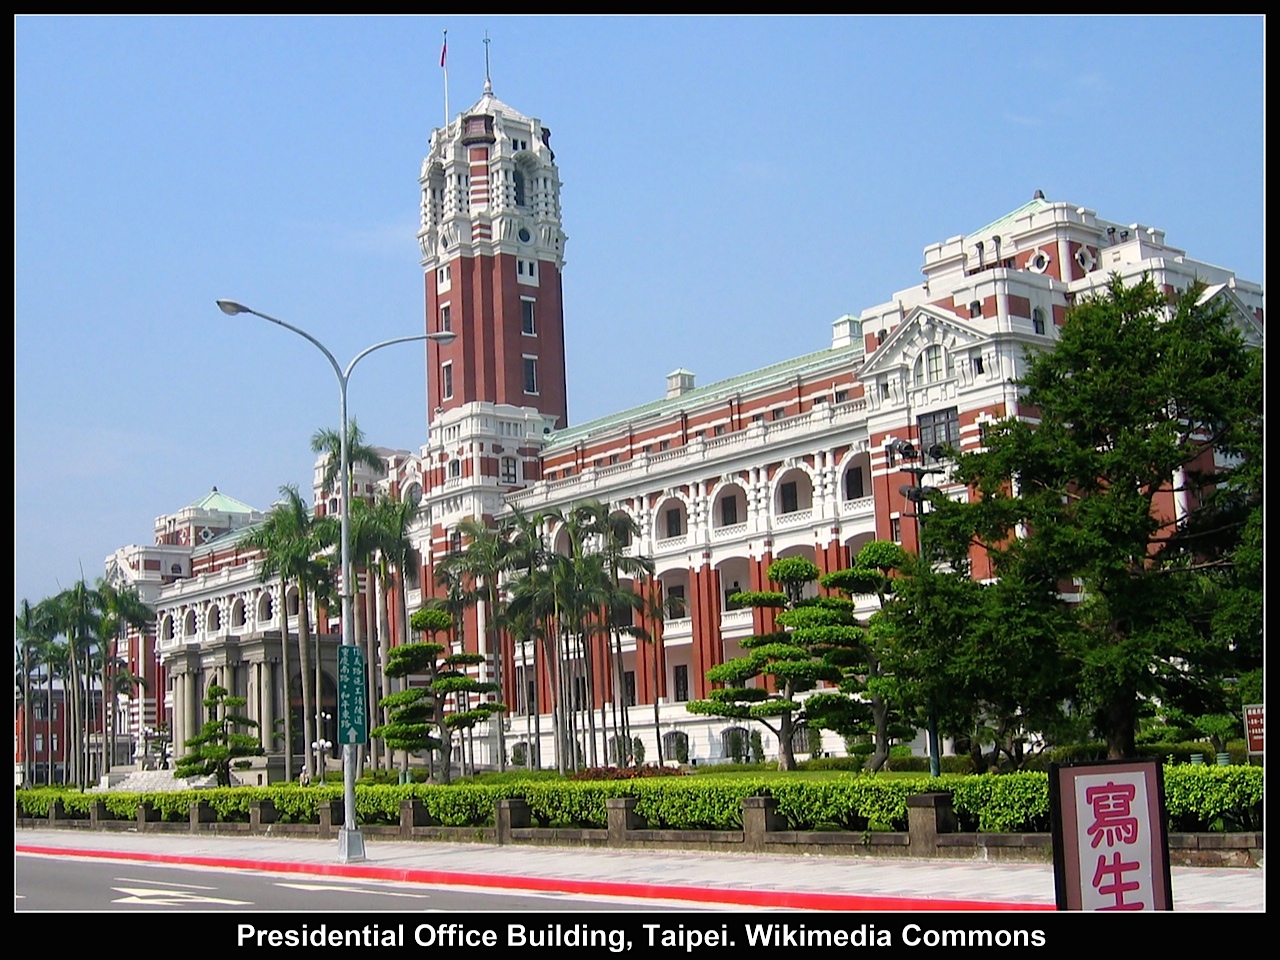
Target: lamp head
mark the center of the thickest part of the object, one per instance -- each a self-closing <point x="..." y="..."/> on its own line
<point x="231" y="308"/>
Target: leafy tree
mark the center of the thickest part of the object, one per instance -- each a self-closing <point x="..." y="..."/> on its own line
<point x="817" y="638"/>
<point x="220" y="745"/>
<point x="1142" y="398"/>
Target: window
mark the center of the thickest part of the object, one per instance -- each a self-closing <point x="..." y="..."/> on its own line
<point x="942" y="427"/>
<point x="530" y="374"/>
<point x="975" y="309"/>
<point x="38" y="746"/>
<point x="629" y="686"/>
<point x="508" y="470"/>
<point x="978" y="366"/>
<point x="579" y="692"/>
<point x="455" y="542"/>
<point x="842" y="396"/>
<point x="455" y="469"/>
<point x="675" y="522"/>
<point x="790" y="500"/>
<point x="728" y="511"/>
<point x="664" y="445"/>
<point x="853" y="485"/>
<point x="446" y="318"/>
<point x="895" y="530"/>
<point x="681" y="677"/>
<point x="676" y="607"/>
<point x="933" y="365"/>
<point x="757" y="418"/>
<point x="890" y="455"/>
<point x="519" y="182"/>
<point x="884" y="389"/>
<point x="1037" y="320"/>
<point x="526" y="318"/>
<point x="779" y="413"/>
<point x="446" y="380"/>
<point x="718" y="430"/>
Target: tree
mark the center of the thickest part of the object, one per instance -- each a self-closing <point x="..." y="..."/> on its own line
<point x="418" y="709"/>
<point x="220" y="745"/>
<point x="328" y="441"/>
<point x="122" y="610"/>
<point x="34" y="631"/>
<point x="291" y="540"/>
<point x="395" y="557"/>
<point x="813" y="646"/>
<point x="1141" y="401"/>
<point x="480" y="565"/>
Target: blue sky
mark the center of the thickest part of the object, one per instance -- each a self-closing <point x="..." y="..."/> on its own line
<point x="731" y="186"/>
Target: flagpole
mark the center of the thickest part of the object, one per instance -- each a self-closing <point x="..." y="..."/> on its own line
<point x="444" y="55"/>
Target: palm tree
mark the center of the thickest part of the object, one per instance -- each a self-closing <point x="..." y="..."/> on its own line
<point x="328" y="441"/>
<point x="291" y="539"/>
<point x="34" y="631"/>
<point x="614" y="532"/>
<point x="394" y="557"/>
<point x="480" y="566"/>
<point x="122" y="610"/>
<point x="652" y="613"/>
<point x="77" y="617"/>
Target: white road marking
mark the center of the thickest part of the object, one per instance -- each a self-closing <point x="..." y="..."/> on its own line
<point x="171" y="898"/>
<point x="163" y="883"/>
<point x="340" y="889"/>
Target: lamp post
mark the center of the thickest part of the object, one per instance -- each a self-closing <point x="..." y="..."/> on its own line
<point x="350" y="840"/>
<point x="918" y="493"/>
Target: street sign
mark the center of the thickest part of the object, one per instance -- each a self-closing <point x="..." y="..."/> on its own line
<point x="1253" y="728"/>
<point x="353" y="705"/>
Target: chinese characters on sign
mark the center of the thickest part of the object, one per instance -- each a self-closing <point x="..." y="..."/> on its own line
<point x="1253" y="727"/>
<point x="353" y="725"/>
<point x="1114" y="843"/>
<point x="1110" y="849"/>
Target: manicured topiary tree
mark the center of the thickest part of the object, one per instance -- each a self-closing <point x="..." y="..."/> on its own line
<point x="818" y="636"/>
<point x="421" y="719"/>
<point x="220" y="745"/>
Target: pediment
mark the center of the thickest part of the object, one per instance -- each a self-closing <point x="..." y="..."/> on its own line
<point x="1239" y="313"/>
<point x="922" y="327"/>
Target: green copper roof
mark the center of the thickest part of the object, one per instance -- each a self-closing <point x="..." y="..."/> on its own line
<point x="1031" y="206"/>
<point x="221" y="503"/>
<point x="761" y="379"/>
<point x="226" y="540"/>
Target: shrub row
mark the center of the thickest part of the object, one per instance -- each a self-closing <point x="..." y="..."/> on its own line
<point x="1198" y="799"/>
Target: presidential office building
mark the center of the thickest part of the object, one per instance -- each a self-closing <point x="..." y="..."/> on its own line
<point x="800" y="458"/>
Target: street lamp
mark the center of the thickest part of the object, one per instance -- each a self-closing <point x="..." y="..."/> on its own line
<point x="918" y="494"/>
<point x="321" y="747"/>
<point x="350" y="840"/>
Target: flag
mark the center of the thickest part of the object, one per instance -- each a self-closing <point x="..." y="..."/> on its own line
<point x="444" y="48"/>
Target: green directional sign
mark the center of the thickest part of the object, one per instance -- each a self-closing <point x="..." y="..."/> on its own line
<point x="353" y="702"/>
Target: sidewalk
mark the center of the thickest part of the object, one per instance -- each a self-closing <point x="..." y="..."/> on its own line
<point x="739" y="880"/>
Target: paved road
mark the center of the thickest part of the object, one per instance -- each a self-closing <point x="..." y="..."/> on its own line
<point x="680" y="879"/>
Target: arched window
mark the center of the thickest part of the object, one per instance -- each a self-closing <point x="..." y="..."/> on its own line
<point x="933" y="364"/>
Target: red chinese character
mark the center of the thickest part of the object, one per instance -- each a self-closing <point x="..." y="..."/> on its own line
<point x="1117" y="887"/>
<point x="1112" y="813"/>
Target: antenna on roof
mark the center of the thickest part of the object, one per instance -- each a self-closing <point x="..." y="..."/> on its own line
<point x="488" y="85"/>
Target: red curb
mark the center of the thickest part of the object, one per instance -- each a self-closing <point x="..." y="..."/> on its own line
<point x="744" y="898"/>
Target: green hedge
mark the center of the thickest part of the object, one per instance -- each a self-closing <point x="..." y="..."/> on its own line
<point x="1198" y="799"/>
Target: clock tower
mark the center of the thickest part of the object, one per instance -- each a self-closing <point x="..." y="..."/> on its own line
<point x="492" y="252"/>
